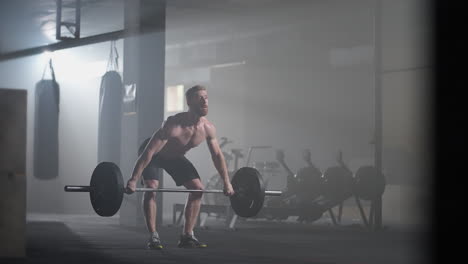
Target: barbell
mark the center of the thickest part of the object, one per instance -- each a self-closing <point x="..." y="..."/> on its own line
<point x="106" y="190"/>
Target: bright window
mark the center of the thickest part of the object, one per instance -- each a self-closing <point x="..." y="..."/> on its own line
<point x="175" y="98"/>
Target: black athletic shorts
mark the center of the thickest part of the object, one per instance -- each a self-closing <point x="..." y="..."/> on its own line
<point x="180" y="169"/>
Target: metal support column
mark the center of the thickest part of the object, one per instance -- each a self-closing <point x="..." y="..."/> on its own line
<point x="144" y="65"/>
<point x="58" y="19"/>
<point x="377" y="203"/>
<point x="77" y="19"/>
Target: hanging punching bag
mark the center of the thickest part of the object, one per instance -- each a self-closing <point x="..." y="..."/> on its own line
<point x="110" y="112"/>
<point x="46" y="141"/>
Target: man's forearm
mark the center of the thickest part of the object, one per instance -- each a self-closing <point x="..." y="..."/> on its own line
<point x="140" y="165"/>
<point x="220" y="165"/>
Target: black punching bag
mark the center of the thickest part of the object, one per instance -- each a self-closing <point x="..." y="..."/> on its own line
<point x="110" y="117"/>
<point x="46" y="124"/>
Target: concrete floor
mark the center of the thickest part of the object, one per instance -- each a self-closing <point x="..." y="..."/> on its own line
<point x="91" y="239"/>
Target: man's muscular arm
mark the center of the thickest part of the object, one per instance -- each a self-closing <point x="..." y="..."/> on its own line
<point x="156" y="143"/>
<point x="218" y="158"/>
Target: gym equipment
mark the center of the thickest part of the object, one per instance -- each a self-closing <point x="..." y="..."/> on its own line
<point x="339" y="184"/>
<point x="111" y="94"/>
<point x="106" y="190"/>
<point x="369" y="183"/>
<point x="46" y="127"/>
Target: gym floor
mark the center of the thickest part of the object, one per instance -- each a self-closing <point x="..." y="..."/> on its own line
<point x="92" y="239"/>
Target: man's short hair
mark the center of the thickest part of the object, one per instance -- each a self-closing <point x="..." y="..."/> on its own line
<point x="192" y="91"/>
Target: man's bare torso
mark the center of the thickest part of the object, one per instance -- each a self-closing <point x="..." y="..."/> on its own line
<point x="184" y="135"/>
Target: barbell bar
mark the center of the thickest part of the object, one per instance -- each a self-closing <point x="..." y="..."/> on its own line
<point x="82" y="188"/>
<point x="106" y="190"/>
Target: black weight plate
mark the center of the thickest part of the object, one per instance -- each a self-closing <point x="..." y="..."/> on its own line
<point x="106" y="189"/>
<point x="369" y="183"/>
<point x="309" y="183"/>
<point x="249" y="192"/>
<point x="311" y="212"/>
<point x="337" y="183"/>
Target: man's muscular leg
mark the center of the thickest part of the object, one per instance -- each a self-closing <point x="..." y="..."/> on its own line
<point x="149" y="205"/>
<point x="192" y="207"/>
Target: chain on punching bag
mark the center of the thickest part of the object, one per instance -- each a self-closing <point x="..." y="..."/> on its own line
<point x="110" y="111"/>
<point x="46" y="125"/>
